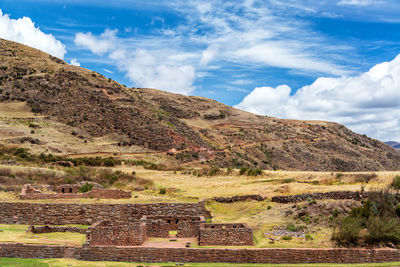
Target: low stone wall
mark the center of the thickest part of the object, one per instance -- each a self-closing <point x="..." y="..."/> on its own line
<point x="54" y="229"/>
<point x="87" y="214"/>
<point x="16" y="250"/>
<point x="328" y="195"/>
<point x="226" y="234"/>
<point x="273" y="256"/>
<point x="94" y="193"/>
<point x="238" y="198"/>
<point x="116" y="234"/>
<point x="146" y="254"/>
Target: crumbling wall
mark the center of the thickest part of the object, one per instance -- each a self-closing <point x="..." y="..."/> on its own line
<point x="53" y="229"/>
<point x="94" y="193"/>
<point x="326" y="195"/>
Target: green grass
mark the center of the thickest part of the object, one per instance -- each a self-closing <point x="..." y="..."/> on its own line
<point x="76" y="263"/>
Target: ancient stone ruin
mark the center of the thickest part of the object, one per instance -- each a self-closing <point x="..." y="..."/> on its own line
<point x="29" y="192"/>
<point x="135" y="233"/>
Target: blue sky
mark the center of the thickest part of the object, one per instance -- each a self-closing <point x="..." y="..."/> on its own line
<point x="291" y="59"/>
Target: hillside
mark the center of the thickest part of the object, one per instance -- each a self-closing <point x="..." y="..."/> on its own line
<point x="50" y="106"/>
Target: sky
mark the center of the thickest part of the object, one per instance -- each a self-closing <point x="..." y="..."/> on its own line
<point x="334" y="60"/>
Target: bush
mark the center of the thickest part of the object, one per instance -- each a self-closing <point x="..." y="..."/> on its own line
<point x="287" y="237"/>
<point x="250" y="172"/>
<point x="377" y="219"/>
<point x="348" y="231"/>
<point x="396" y="183"/>
<point x="242" y="171"/>
<point x="163" y="191"/>
<point x="86" y="187"/>
<point x="383" y="230"/>
<point x="309" y="237"/>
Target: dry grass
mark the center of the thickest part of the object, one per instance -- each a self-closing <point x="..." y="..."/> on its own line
<point x="17" y="233"/>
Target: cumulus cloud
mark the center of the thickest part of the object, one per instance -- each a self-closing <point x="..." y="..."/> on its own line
<point x="74" y="62"/>
<point x="24" y="31"/>
<point x="368" y="103"/>
<point x="97" y="44"/>
<point x="149" y="65"/>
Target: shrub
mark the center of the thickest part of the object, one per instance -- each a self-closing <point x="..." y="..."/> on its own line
<point x="287" y="237"/>
<point x="396" y="183"/>
<point x="86" y="187"/>
<point x="348" y="231"/>
<point x="383" y="230"/>
<point x="377" y="219"/>
<point x="288" y="180"/>
<point x="163" y="191"/>
<point x="309" y="237"/>
<point x="242" y="171"/>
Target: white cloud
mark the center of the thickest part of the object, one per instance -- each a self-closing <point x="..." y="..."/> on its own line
<point x="358" y="2"/>
<point x="108" y="71"/>
<point x="98" y="45"/>
<point x="143" y="69"/>
<point x="368" y="103"/>
<point x="149" y="66"/>
<point x="24" y="31"/>
<point x="74" y="62"/>
<point x="213" y="35"/>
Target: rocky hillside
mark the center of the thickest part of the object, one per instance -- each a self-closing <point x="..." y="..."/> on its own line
<point x="194" y="130"/>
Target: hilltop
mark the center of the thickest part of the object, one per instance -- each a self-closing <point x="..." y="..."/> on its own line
<point x="50" y="106"/>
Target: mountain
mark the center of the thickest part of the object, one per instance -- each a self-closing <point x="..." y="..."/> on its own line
<point x="50" y="106"/>
<point x="393" y="144"/>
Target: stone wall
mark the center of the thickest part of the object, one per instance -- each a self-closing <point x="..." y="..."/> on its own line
<point x="94" y="193"/>
<point x="160" y="226"/>
<point x="116" y="233"/>
<point x="328" y="195"/>
<point x="87" y="214"/>
<point x="189" y="228"/>
<point x="16" y="250"/>
<point x="146" y="254"/>
<point x="54" y="229"/>
<point x="226" y="234"/>
<point x="68" y="188"/>
<point x="157" y="227"/>
<point x="238" y="198"/>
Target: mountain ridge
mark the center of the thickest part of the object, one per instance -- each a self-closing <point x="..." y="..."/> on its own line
<point x="394" y="144"/>
<point x="195" y="130"/>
